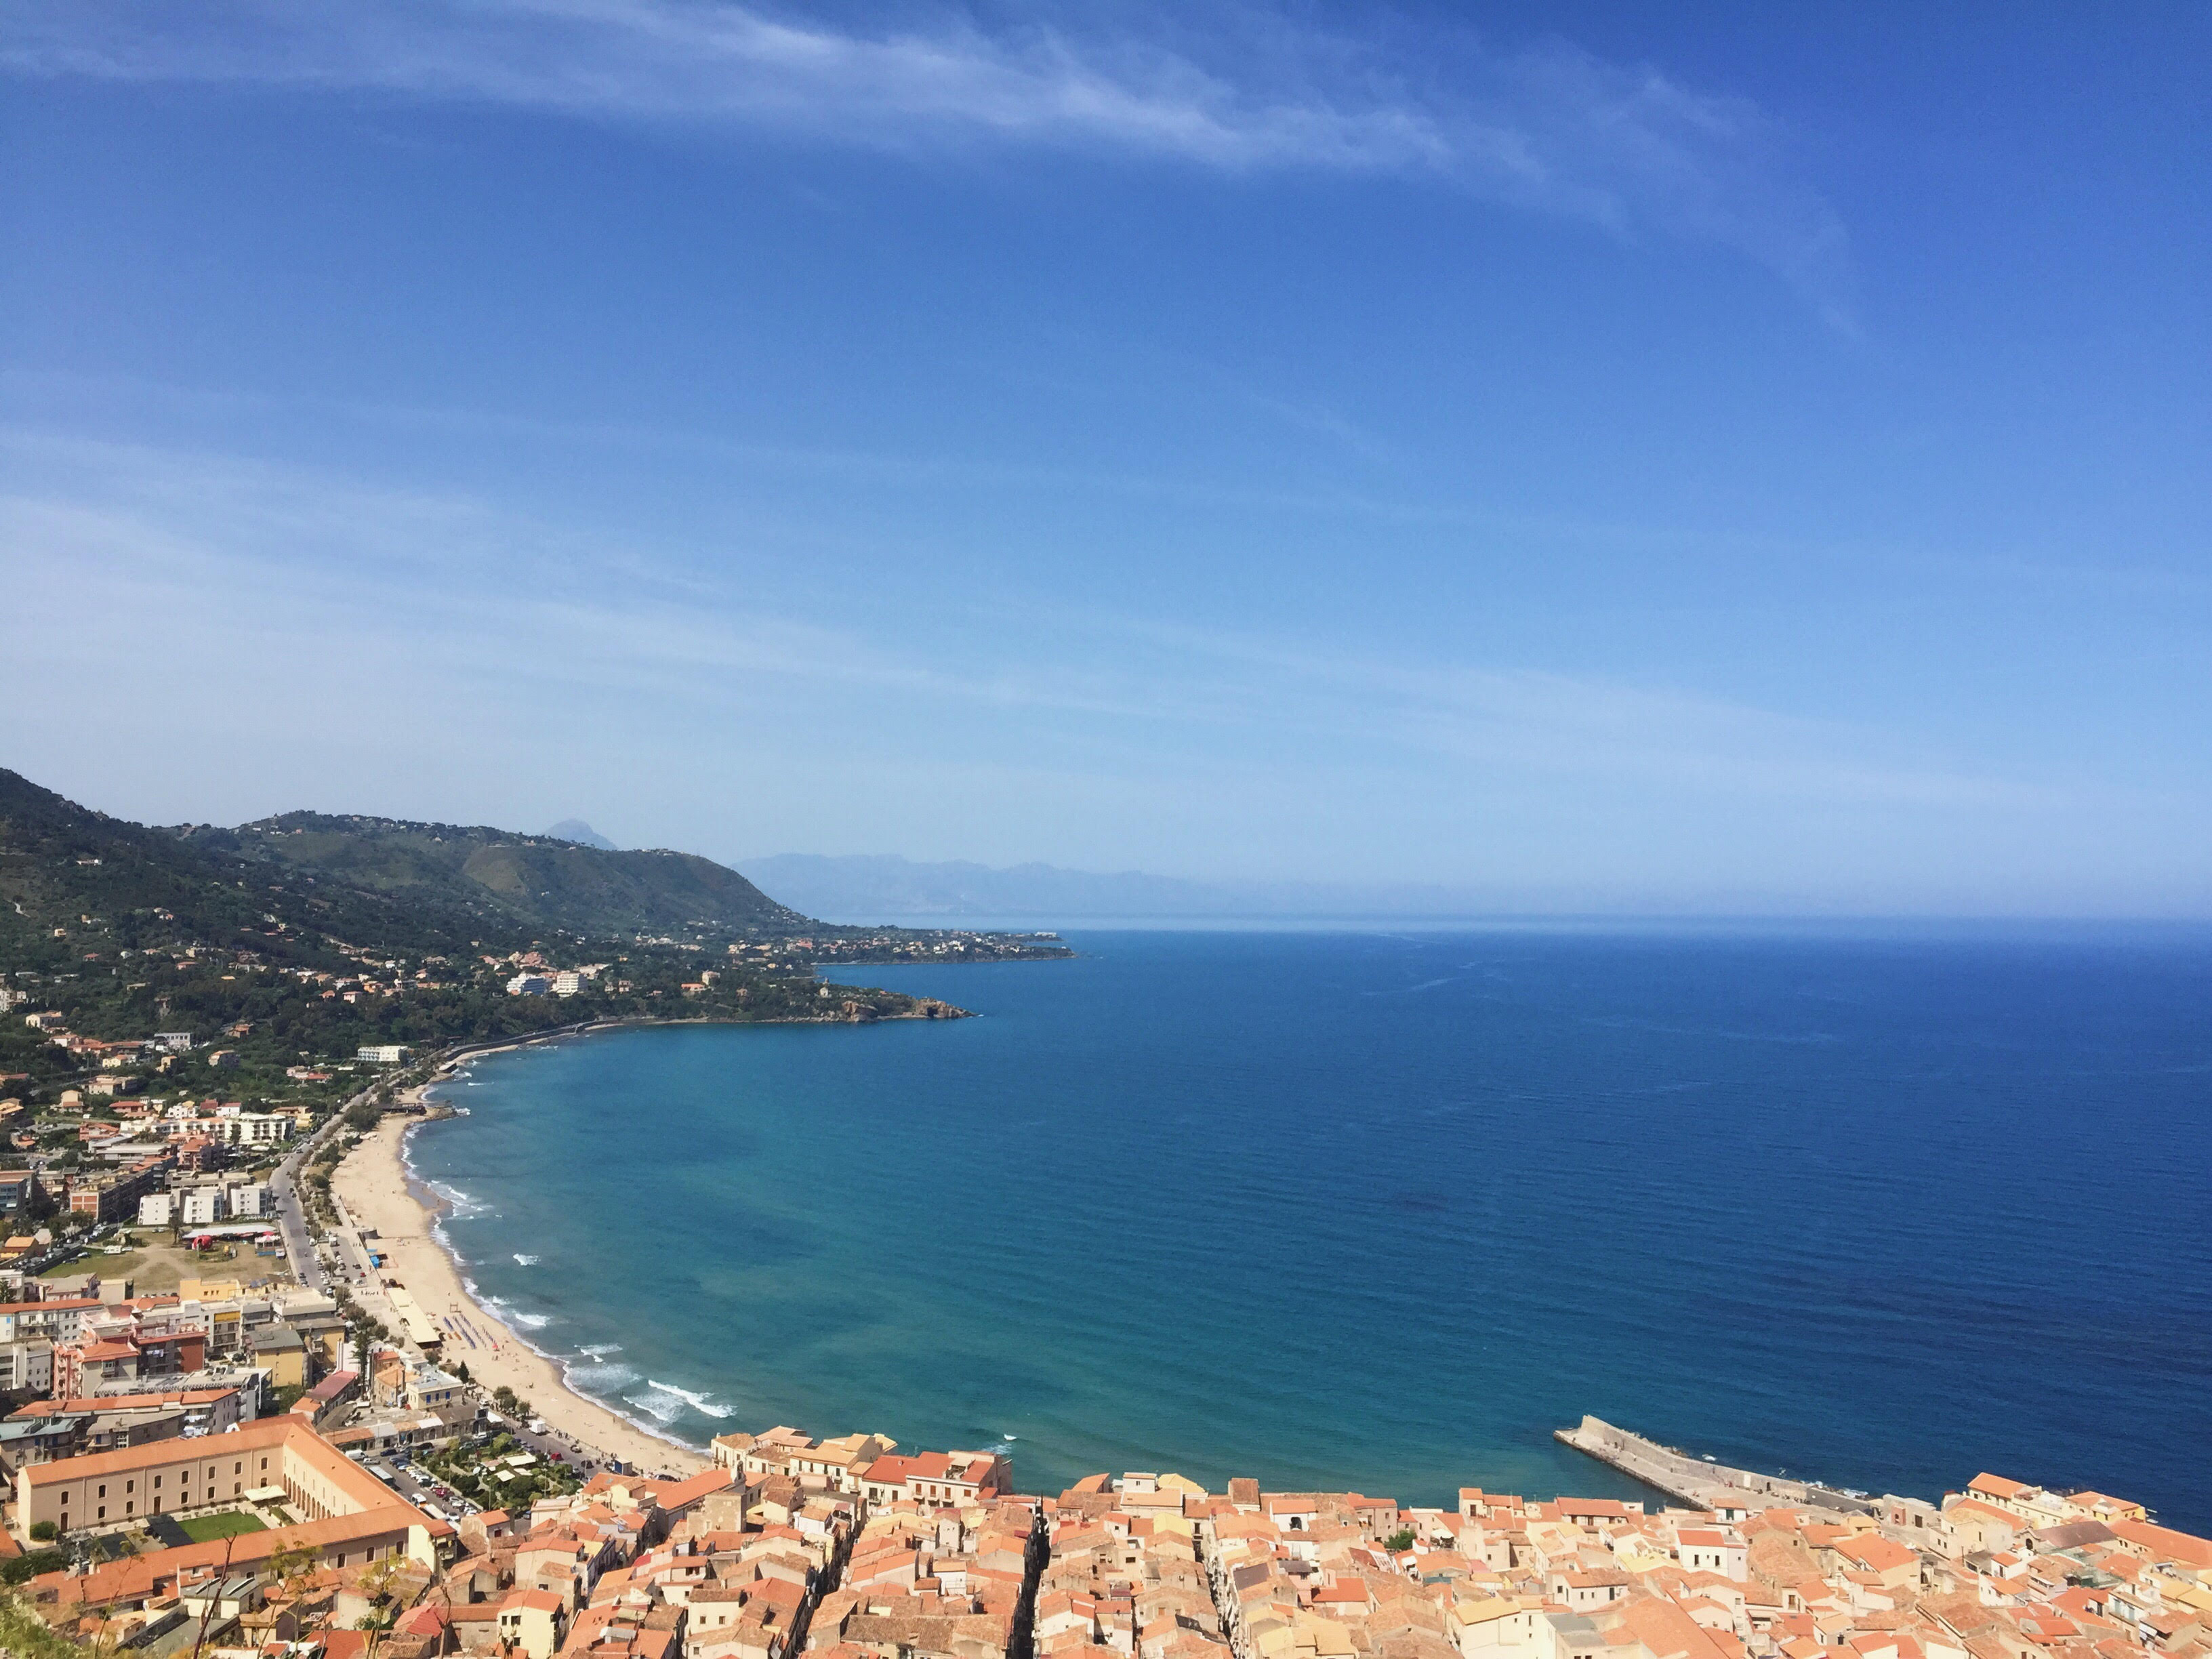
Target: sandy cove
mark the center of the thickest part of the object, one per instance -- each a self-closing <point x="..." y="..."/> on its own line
<point x="372" y="1182"/>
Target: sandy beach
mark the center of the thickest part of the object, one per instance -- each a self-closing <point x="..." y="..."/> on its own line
<point x="372" y="1183"/>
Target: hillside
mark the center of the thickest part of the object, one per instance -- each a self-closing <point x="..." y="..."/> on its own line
<point x="75" y="884"/>
<point x="69" y="874"/>
<point x="72" y="876"/>
<point x="306" y="937"/>
<point x="540" y="882"/>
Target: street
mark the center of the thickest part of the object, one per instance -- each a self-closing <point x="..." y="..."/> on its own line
<point x="291" y="1217"/>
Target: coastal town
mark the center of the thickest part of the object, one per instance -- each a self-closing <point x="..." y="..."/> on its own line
<point x="342" y="1456"/>
<point x="311" y="1443"/>
<point x="249" y="1409"/>
<point x="282" y="1534"/>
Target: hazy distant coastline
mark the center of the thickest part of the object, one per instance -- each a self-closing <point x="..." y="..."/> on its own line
<point x="887" y="885"/>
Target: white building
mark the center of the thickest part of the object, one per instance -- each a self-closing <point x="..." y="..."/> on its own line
<point x="26" y="1366"/>
<point x="157" y="1210"/>
<point x="249" y="1201"/>
<point x="529" y="985"/>
<point x="204" y="1207"/>
<point x="568" y="983"/>
<point x="175" y="1043"/>
<point x="236" y="1129"/>
<point x="384" y="1053"/>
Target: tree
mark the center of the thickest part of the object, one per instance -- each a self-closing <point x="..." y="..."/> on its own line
<point x="379" y="1583"/>
<point x="23" y="1636"/>
<point x="1401" y="1540"/>
<point x="45" y="1532"/>
<point x="293" y="1566"/>
<point x="22" y="1569"/>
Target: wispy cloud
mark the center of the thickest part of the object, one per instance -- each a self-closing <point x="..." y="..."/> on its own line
<point x="1554" y="130"/>
<point x="272" y="569"/>
<point x="189" y="634"/>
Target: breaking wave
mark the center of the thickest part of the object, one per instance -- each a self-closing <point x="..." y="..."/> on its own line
<point x="600" y="1379"/>
<point x="504" y="1311"/>
<point x="662" y="1408"/>
<point x="703" y="1404"/>
<point x="461" y="1205"/>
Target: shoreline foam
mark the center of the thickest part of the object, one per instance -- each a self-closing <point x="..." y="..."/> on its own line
<point x="518" y="1324"/>
<point x="379" y="1187"/>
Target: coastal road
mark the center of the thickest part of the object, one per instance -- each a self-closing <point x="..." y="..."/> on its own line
<point x="284" y="1188"/>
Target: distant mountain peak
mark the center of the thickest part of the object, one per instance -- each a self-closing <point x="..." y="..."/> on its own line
<point x="577" y="830"/>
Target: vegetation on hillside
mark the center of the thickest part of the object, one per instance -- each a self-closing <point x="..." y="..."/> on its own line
<point x="496" y="878"/>
<point x="73" y="880"/>
<point x="281" y="949"/>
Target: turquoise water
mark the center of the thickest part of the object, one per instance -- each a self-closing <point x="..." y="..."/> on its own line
<point x="1381" y="1211"/>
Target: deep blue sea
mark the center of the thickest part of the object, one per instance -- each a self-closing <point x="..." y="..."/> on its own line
<point x="1381" y="1211"/>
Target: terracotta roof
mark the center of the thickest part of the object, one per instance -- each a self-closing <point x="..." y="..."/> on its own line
<point x="1874" y="1552"/>
<point x="126" y="1402"/>
<point x="2164" y="1543"/>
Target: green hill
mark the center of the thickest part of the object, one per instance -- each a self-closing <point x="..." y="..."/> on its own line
<point x="533" y="882"/>
<point x="68" y="872"/>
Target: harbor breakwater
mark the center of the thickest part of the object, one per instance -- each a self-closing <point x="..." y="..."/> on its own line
<point x="1699" y="1481"/>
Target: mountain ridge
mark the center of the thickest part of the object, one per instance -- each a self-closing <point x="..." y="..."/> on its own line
<point x="431" y="886"/>
<point x="535" y="880"/>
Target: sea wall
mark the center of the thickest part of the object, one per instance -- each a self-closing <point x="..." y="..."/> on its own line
<point x="1703" y="1484"/>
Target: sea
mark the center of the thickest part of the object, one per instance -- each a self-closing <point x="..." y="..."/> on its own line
<point x="1381" y="1209"/>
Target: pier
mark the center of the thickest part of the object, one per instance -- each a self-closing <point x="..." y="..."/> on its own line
<point x="1698" y="1483"/>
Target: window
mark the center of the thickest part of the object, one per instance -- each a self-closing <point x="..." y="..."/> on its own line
<point x="103" y="1489"/>
<point x="103" y="1510"/>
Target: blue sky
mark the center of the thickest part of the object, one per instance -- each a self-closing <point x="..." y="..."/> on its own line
<point x="1591" y="457"/>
